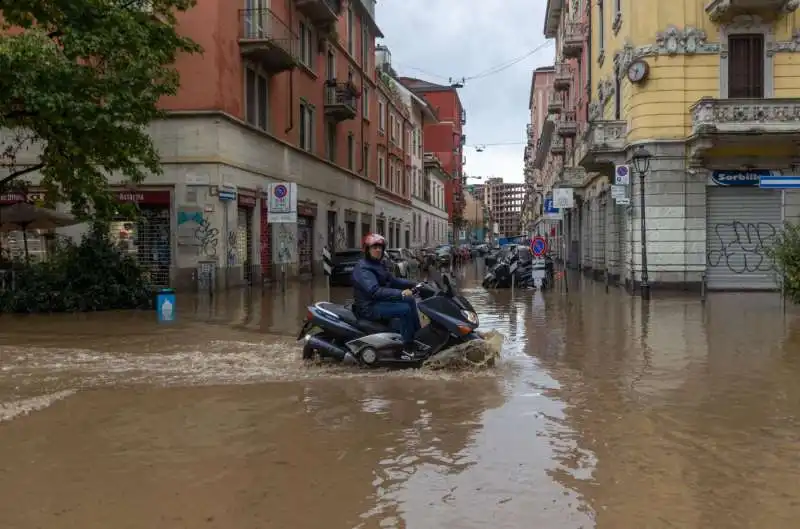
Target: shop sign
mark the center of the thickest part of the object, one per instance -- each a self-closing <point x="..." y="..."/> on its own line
<point x="246" y="201"/>
<point x="306" y="210"/>
<point x="144" y="197"/>
<point x="749" y="178"/>
<point x="14" y="198"/>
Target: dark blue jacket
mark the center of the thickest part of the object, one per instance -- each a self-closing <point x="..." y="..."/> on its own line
<point x="372" y="282"/>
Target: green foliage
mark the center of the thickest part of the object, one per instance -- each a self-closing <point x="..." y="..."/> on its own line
<point x="785" y="251"/>
<point x="81" y="81"/>
<point x="89" y="276"/>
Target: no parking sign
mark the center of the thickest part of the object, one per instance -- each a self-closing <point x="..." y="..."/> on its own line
<point x="539" y="246"/>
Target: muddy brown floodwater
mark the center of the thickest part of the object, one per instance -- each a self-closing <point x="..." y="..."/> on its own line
<point x="601" y="414"/>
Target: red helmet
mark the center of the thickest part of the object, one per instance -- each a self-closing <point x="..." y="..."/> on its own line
<point x="374" y="239"/>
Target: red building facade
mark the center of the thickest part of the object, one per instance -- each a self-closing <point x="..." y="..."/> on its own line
<point x="445" y="139"/>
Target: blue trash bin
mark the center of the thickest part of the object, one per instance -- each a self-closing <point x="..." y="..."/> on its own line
<point x="165" y="305"/>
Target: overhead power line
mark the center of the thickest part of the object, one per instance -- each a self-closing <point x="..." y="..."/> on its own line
<point x="485" y="73"/>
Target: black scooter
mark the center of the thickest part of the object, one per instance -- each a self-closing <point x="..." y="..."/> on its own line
<point x="332" y="331"/>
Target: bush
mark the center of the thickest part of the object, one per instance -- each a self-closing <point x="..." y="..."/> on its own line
<point x="785" y="251"/>
<point x="90" y="276"/>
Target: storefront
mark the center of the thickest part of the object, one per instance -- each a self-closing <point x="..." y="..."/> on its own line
<point x="366" y="225"/>
<point x="243" y="244"/>
<point x="306" y="215"/>
<point x="380" y="225"/>
<point x="350" y="223"/>
<point x="148" y="236"/>
<point x="742" y="220"/>
<point x="12" y="243"/>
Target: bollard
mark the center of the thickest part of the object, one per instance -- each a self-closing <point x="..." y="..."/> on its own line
<point x="165" y="305"/>
<point x="703" y="287"/>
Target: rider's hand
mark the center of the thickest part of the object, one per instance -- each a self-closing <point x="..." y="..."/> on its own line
<point x="407" y="293"/>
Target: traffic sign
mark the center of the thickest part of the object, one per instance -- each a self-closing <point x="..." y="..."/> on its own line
<point x="539" y="246"/>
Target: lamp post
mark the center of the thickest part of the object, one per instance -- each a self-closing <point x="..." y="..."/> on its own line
<point x="641" y="163"/>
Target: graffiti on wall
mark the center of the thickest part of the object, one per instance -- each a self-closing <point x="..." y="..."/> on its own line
<point x="232" y="257"/>
<point x="341" y="239"/>
<point x="287" y="244"/>
<point x="741" y="246"/>
<point x="195" y="230"/>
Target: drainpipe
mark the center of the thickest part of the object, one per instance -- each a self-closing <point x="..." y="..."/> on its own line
<point x="290" y="106"/>
<point x="589" y="58"/>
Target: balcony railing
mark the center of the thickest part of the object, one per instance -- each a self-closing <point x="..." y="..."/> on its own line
<point x="567" y="125"/>
<point x="746" y="116"/>
<point x="555" y="104"/>
<point x="574" y="39"/>
<point x="563" y="77"/>
<point x="340" y="100"/>
<point x="557" y="146"/>
<point x="267" y="40"/>
<point x="320" y="12"/>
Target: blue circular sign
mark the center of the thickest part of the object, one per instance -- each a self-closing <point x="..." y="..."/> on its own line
<point x="538" y="246"/>
<point x="280" y="191"/>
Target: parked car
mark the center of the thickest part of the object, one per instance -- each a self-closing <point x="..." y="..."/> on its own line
<point x="444" y="255"/>
<point x="399" y="264"/>
<point x="343" y="263"/>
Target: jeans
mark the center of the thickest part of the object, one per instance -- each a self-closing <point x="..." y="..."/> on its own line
<point x="404" y="312"/>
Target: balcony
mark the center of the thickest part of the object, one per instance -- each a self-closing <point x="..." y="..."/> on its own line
<point x="746" y="124"/>
<point x="563" y="77"/>
<point x="321" y="13"/>
<point x="572" y="177"/>
<point x="566" y="125"/>
<point x="266" y="40"/>
<point x="574" y="39"/>
<point x="603" y="145"/>
<point x="340" y="101"/>
<point x="725" y="10"/>
<point x="557" y="146"/>
<point x="555" y="105"/>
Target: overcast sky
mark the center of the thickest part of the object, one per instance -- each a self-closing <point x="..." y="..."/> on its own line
<point x="439" y="39"/>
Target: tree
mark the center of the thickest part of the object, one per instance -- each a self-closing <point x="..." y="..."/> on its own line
<point x="80" y="82"/>
<point x="785" y="251"/>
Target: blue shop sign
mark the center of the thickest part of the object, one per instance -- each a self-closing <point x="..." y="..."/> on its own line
<point x="740" y="178"/>
<point x="548" y="206"/>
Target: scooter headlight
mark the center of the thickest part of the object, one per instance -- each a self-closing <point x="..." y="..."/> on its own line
<point x="470" y="316"/>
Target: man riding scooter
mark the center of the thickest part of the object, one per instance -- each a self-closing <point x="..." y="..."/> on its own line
<point x="378" y="295"/>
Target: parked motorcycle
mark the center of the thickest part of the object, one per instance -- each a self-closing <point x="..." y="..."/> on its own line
<point x="332" y="331"/>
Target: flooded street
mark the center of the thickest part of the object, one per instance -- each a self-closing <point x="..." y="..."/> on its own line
<point x="602" y="414"/>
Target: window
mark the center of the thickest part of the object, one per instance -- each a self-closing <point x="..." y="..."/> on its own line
<point x="256" y="99"/>
<point x="306" y="127"/>
<point x="381" y="170"/>
<point x="306" y="45"/>
<point x="365" y="102"/>
<point x="351" y="151"/>
<point x="365" y="159"/>
<point x="381" y="115"/>
<point x="746" y="65"/>
<point x="330" y="140"/>
<point x="365" y="45"/>
<point x="350" y="30"/>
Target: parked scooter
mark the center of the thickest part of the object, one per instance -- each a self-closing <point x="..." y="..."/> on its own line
<point x="332" y="331"/>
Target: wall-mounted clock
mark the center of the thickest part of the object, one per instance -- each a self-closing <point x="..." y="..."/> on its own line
<point x="638" y="71"/>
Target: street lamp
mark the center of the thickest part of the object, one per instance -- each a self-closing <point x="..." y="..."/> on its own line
<point x="641" y="163"/>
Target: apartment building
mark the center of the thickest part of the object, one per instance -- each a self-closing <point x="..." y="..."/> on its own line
<point x="284" y="92"/>
<point x="446" y="138"/>
<point x="504" y="201"/>
<point x="708" y="94"/>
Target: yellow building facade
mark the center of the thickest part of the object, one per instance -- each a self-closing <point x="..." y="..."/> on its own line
<point x="711" y="90"/>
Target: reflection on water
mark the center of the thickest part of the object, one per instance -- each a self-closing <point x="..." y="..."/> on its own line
<point x="603" y="413"/>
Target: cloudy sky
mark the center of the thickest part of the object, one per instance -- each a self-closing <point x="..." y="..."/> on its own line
<point x="439" y="39"/>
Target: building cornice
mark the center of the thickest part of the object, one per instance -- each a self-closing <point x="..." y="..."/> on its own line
<point x="552" y="17"/>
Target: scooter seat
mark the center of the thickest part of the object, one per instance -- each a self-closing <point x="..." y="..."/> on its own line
<point x="343" y="312"/>
<point x="372" y="327"/>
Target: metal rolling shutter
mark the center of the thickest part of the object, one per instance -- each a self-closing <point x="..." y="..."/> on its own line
<point x="740" y="223"/>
